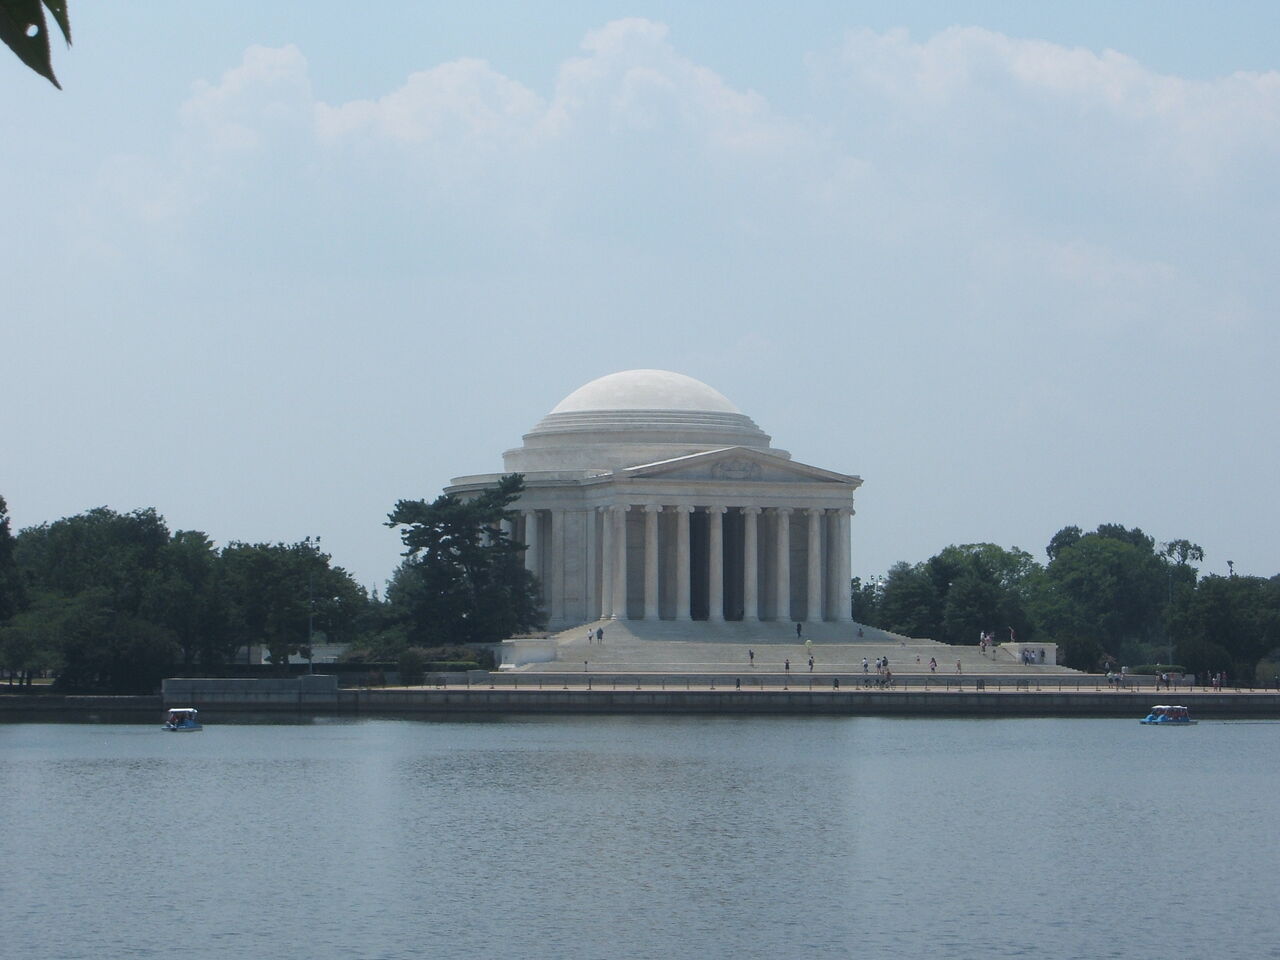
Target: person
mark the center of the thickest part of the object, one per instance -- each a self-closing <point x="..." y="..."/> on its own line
<point x="590" y="635"/>
<point x="958" y="670"/>
<point x="584" y="666"/>
<point x="865" y="666"/>
<point x="737" y="683"/>
<point x="835" y="683"/>
<point x="811" y="664"/>
<point x="786" y="665"/>
<point x="859" y="633"/>
<point x="751" y="657"/>
<point x="599" y="634"/>
<point x="933" y="664"/>
<point x="797" y="628"/>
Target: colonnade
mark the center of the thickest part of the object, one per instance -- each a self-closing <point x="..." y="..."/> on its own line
<point x="714" y="562"/>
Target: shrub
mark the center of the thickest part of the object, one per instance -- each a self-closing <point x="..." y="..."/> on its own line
<point x="413" y="664"/>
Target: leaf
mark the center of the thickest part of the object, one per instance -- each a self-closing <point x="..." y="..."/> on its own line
<point x="59" y="10"/>
<point x="25" y="32"/>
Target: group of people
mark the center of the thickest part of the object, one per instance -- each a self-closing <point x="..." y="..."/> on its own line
<point x="595" y="636"/>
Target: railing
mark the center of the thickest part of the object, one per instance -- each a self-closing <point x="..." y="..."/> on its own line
<point x="774" y="681"/>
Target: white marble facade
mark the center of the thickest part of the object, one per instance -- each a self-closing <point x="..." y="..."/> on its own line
<point x="649" y="496"/>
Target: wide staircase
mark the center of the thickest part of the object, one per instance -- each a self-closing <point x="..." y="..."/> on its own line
<point x="645" y="646"/>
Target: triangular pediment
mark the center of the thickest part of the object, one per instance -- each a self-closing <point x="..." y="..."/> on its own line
<point x="736" y="465"/>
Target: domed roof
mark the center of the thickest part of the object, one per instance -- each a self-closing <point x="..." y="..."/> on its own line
<point x="634" y="417"/>
<point x="645" y="390"/>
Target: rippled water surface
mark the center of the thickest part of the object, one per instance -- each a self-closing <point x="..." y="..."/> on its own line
<point x="641" y="837"/>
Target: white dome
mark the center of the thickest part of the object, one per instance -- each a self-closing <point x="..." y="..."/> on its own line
<point x="634" y="417"/>
<point x="645" y="390"/>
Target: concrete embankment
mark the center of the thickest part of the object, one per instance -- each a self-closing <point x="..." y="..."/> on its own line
<point x="321" y="696"/>
<point x="44" y="708"/>
<point x="676" y="695"/>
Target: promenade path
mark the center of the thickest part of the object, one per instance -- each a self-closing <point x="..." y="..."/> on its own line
<point x="674" y="648"/>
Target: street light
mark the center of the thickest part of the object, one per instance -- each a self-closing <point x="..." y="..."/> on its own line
<point x="314" y="546"/>
<point x="1168" y="634"/>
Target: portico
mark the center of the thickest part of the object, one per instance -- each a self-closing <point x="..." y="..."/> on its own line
<point x="649" y="496"/>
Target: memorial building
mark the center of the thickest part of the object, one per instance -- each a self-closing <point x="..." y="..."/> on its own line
<point x="650" y="496"/>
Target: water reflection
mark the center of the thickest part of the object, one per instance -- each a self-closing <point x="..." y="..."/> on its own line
<point x="636" y="837"/>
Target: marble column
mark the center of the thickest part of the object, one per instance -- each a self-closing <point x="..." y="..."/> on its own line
<point x="715" y="558"/>
<point x="750" y="574"/>
<point x="651" y="511"/>
<point x="590" y="536"/>
<point x="831" y="568"/>
<point x="531" y="541"/>
<point x="606" y="563"/>
<point x="557" y="565"/>
<point x="620" y="561"/>
<point x="683" y="598"/>
<point x="814" y="612"/>
<point x="782" y="567"/>
<point x="844" y="612"/>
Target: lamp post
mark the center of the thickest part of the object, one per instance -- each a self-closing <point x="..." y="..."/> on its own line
<point x="314" y="546"/>
<point x="1168" y="634"/>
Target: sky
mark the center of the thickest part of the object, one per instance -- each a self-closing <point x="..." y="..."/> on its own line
<point x="269" y="268"/>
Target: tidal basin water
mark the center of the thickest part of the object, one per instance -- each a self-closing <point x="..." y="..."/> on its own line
<point x="646" y="837"/>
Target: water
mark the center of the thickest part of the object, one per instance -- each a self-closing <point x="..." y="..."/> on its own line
<point x="640" y="837"/>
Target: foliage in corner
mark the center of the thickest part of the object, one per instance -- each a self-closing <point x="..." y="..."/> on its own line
<point x="25" y="31"/>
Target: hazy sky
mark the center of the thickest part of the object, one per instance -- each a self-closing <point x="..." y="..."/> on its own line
<point x="270" y="267"/>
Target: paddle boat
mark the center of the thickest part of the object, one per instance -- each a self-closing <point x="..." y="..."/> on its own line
<point x="1168" y="714"/>
<point x="182" y="720"/>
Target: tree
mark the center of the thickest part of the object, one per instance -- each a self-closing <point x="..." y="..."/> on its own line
<point x="1227" y="623"/>
<point x="1066" y="537"/>
<point x="1183" y="551"/>
<point x="100" y="548"/>
<point x="25" y="31"/>
<point x="87" y="576"/>
<point x="865" y="600"/>
<point x="276" y="594"/>
<point x="186" y="595"/>
<point x="959" y="593"/>
<point x="12" y="594"/>
<point x="1100" y="590"/>
<point x="910" y="603"/>
<point x="29" y="645"/>
<point x="463" y="579"/>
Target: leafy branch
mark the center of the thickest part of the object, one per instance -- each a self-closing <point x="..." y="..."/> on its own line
<point x="25" y="31"/>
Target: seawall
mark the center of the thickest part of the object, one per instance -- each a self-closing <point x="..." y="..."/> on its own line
<point x="229" y="698"/>
<point x="650" y="695"/>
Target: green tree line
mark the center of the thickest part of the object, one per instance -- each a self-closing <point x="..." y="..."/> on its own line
<point x="116" y="601"/>
<point x="1109" y="597"/>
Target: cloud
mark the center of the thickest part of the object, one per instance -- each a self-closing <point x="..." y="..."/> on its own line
<point x="268" y="96"/>
<point x="988" y="167"/>
<point x="980" y="79"/>
<point x="458" y="101"/>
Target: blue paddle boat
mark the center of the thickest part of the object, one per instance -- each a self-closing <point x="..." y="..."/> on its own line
<point x="182" y="720"/>
<point x="1166" y="714"/>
